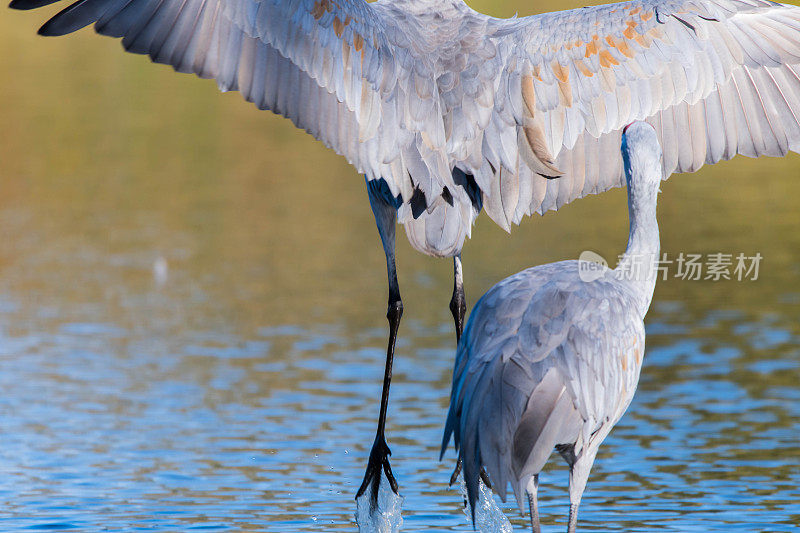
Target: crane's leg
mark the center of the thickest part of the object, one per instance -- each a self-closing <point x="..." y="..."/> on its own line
<point x="578" y="476"/>
<point x="458" y="306"/>
<point x="385" y="217"/>
<point x="458" y="303"/>
<point x="574" y="502"/>
<point x="533" y="503"/>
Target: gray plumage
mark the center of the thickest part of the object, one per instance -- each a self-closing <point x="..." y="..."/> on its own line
<point x="551" y="360"/>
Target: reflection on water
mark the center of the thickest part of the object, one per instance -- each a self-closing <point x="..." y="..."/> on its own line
<point x="238" y="389"/>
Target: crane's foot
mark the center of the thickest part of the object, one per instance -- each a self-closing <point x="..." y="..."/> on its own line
<point x="457" y="471"/>
<point x="485" y="478"/>
<point x="378" y="462"/>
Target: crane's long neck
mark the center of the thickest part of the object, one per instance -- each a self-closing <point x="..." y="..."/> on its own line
<point x="639" y="263"/>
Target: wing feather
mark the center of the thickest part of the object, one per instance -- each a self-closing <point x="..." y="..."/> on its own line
<point x="270" y="50"/>
<point x="409" y="90"/>
<point x="717" y="77"/>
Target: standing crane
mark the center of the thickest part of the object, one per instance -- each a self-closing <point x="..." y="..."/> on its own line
<point x="551" y="359"/>
<point x="447" y="111"/>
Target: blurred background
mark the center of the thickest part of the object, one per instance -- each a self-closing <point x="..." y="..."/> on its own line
<point x="192" y="320"/>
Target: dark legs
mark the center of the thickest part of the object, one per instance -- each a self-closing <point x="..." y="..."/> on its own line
<point x="457" y="471"/>
<point x="458" y="306"/>
<point x="458" y="303"/>
<point x="379" y="456"/>
<point x="385" y="218"/>
<point x="384" y="207"/>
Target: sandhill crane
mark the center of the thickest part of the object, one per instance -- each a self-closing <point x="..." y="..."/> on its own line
<point x="447" y="111"/>
<point x="550" y="358"/>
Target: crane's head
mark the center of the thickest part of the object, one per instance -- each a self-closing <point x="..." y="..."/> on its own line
<point x="641" y="154"/>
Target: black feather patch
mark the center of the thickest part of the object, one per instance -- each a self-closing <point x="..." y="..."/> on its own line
<point x="446" y="196"/>
<point x="467" y="181"/>
<point x="418" y="203"/>
<point x="30" y="4"/>
<point x="76" y="16"/>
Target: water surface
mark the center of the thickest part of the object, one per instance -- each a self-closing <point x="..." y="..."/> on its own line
<point x="240" y="392"/>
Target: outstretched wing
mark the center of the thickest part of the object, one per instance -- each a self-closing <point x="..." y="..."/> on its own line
<point x="715" y="77"/>
<point x="408" y="89"/>
<point x="340" y="69"/>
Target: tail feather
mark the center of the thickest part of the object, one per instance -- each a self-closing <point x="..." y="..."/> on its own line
<point x="550" y="418"/>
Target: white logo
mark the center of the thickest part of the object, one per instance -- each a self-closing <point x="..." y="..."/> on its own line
<point x="591" y="266"/>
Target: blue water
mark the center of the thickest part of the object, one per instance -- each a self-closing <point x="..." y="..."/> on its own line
<point x="110" y="428"/>
<point x="192" y="322"/>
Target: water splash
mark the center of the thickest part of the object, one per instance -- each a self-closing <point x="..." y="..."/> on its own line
<point x="489" y="518"/>
<point x="386" y="518"/>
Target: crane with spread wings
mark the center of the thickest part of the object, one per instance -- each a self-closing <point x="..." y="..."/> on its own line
<point x="447" y="111"/>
